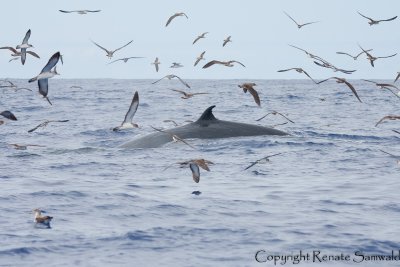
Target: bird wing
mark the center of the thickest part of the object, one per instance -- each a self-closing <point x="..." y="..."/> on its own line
<point x="352" y="89"/>
<point x="197" y="61"/>
<point x="171" y="18"/>
<point x="115" y="61"/>
<point x="37" y="127"/>
<point x="389" y="117"/>
<point x="182" y="81"/>
<point x="26" y="38"/>
<point x="291" y="18"/>
<point x="397" y="77"/>
<point x="123" y="46"/>
<point x="52" y="62"/>
<point x="388" y="56"/>
<point x="195" y="40"/>
<point x="93" y="10"/>
<point x="365" y="16"/>
<point x="200" y="93"/>
<point x="251" y="165"/>
<point x="388" y="19"/>
<point x="33" y="54"/>
<point x="388" y="153"/>
<point x="185" y="15"/>
<point x="369" y="81"/>
<point x="23" y="55"/>
<point x="324" y="80"/>
<point x="344" y="53"/>
<point x="183" y="141"/>
<point x="10" y="48"/>
<point x="195" y="172"/>
<point x="284" y="116"/>
<point x="202" y="164"/>
<point x="44" y="88"/>
<point x="179" y="91"/>
<point x="9" y="115"/>
<point x="212" y="62"/>
<point x="159" y="80"/>
<point x="254" y="93"/>
<point x="286" y="70"/>
<point x="308" y="76"/>
<point x="238" y="62"/>
<point x="65" y="11"/>
<point x="101" y="47"/>
<point x="308" y="23"/>
<point x="132" y="109"/>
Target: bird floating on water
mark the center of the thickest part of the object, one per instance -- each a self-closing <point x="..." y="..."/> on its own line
<point x="46" y="74"/>
<point x="127" y="123"/>
<point x="174" y="16"/>
<point x="110" y="53"/>
<point x="41" y="220"/>
<point x="23" y="147"/>
<point x="250" y="87"/>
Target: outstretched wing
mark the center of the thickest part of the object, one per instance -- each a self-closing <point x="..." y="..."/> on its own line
<point x="291" y="18"/>
<point x="171" y="18"/>
<point x="123" y="46"/>
<point x="44" y="88"/>
<point x="10" y="48"/>
<point x="100" y="46"/>
<point x="26" y="38"/>
<point x="52" y="62"/>
<point x="212" y="62"/>
<point x="352" y="89"/>
<point x="365" y="16"/>
<point x="388" y="56"/>
<point x="33" y="54"/>
<point x="238" y="63"/>
<point x="65" y="11"/>
<point x="389" y="19"/>
<point x="182" y="81"/>
<point x="254" y="93"/>
<point x="159" y="79"/>
<point x="132" y="109"/>
<point x="195" y="172"/>
<point x="179" y="91"/>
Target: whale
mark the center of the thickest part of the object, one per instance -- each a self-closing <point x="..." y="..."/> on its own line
<point x="206" y="127"/>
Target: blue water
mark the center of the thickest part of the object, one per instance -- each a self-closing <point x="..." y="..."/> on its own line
<point x="332" y="189"/>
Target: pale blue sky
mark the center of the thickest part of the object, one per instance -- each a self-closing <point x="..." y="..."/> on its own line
<point x="260" y="32"/>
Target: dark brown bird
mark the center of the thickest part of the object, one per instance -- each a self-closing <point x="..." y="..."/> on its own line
<point x="249" y="87"/>
<point x="343" y="80"/>
<point x="8" y="115"/>
<point x="353" y="57"/>
<point x="374" y="22"/>
<point x="299" y="25"/>
<point x="225" y="63"/>
<point x="194" y="165"/>
<point x="386" y="86"/>
<point x="299" y="70"/>
<point x="388" y="117"/>
<point x="372" y="58"/>
<point x="39" y="219"/>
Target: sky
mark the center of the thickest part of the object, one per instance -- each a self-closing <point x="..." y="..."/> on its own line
<point x="261" y="34"/>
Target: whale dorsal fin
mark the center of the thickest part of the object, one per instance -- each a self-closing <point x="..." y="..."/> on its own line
<point x="207" y="115"/>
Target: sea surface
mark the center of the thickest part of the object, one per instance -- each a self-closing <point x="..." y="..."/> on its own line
<point x="332" y="190"/>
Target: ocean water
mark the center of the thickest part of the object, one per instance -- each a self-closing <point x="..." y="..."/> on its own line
<point x="331" y="190"/>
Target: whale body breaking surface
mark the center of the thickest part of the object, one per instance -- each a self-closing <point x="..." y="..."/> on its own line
<point x="206" y="127"/>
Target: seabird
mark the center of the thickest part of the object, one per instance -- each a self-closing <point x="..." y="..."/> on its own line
<point x="44" y="124"/>
<point x="81" y="12"/>
<point x="110" y="53"/>
<point x="227" y="40"/>
<point x="388" y="117"/>
<point x="299" y="25"/>
<point x="175" y="138"/>
<point x="176" y="65"/>
<point x="299" y="70"/>
<point x="225" y="63"/>
<point x="308" y="53"/>
<point x="199" y="58"/>
<point x="16" y="54"/>
<point x="156" y="63"/>
<point x="275" y="113"/>
<point x="46" y="74"/>
<point x="262" y="160"/>
<point x="373" y="22"/>
<point x="24" y="46"/>
<point x="203" y="35"/>
<point x="8" y="115"/>
<point x="39" y="219"/>
<point x="125" y="59"/>
<point x="174" y="122"/>
<point x="249" y="87"/>
<point x="372" y="58"/>
<point x="171" y="76"/>
<point x="343" y="80"/>
<point x="326" y="64"/>
<point x="188" y="95"/>
<point x="23" y="147"/>
<point x="354" y="57"/>
<point x="386" y="86"/>
<point x="127" y="123"/>
<point x="174" y="16"/>
<point x="194" y="165"/>
<point x="13" y="86"/>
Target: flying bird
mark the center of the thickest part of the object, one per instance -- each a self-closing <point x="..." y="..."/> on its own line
<point x="354" y="57"/>
<point x="299" y="25"/>
<point x="325" y="64"/>
<point x="275" y="113"/>
<point x="194" y="165"/>
<point x="249" y="87"/>
<point x="171" y="76"/>
<point x="176" y="65"/>
<point x="188" y="95"/>
<point x="46" y="74"/>
<point x="343" y="80"/>
<point x="41" y="220"/>
<point x="388" y="117"/>
<point x="372" y="58"/>
<point x="8" y="115"/>
<point x="81" y="12"/>
<point x="262" y="160"/>
<point x="224" y="63"/>
<point x="125" y="59"/>
<point x="374" y="22"/>
<point x="16" y="54"/>
<point x="127" y="123"/>
<point x="299" y="70"/>
<point x="203" y="35"/>
<point x="45" y="123"/>
<point x="156" y="63"/>
<point x="174" y="16"/>
<point x="13" y="86"/>
<point x="175" y="138"/>
<point x="227" y="40"/>
<point x="110" y="53"/>
<point x="386" y="86"/>
<point x="201" y="57"/>
<point x="24" y="46"/>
